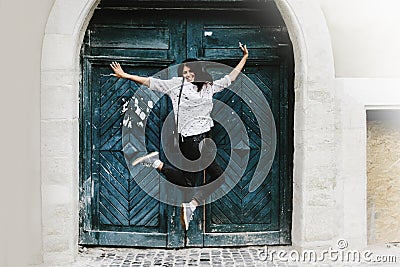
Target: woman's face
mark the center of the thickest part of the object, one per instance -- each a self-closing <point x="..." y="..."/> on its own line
<point x="188" y="74"/>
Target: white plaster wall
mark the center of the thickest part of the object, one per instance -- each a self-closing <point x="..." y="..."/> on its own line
<point x="365" y="37"/>
<point x="22" y="26"/>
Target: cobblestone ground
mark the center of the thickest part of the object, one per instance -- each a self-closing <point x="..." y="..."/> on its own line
<point x="169" y="257"/>
<point x="248" y="256"/>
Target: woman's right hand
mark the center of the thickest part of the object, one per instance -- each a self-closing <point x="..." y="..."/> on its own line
<point x="118" y="71"/>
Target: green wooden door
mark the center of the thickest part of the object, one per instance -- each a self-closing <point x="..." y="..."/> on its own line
<point x="114" y="210"/>
<point x="242" y="217"/>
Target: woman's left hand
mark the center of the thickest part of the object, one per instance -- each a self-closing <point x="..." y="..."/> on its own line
<point x="244" y="49"/>
<point x="235" y="72"/>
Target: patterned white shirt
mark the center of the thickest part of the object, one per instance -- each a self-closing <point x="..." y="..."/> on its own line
<point x="195" y="107"/>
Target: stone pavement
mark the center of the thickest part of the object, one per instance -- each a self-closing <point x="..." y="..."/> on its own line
<point x="246" y="256"/>
<point x="170" y="257"/>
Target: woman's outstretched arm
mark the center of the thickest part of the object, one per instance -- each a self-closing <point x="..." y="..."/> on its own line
<point x="235" y="72"/>
<point x="120" y="73"/>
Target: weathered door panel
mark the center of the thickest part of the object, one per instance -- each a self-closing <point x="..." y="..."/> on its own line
<point x="246" y="218"/>
<point x="118" y="205"/>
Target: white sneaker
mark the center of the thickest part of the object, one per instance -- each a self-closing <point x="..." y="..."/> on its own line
<point x="186" y="215"/>
<point x="148" y="160"/>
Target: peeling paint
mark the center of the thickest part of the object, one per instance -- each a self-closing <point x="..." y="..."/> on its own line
<point x="138" y="110"/>
<point x="142" y="115"/>
<point x="125" y="106"/>
<point x="126" y="120"/>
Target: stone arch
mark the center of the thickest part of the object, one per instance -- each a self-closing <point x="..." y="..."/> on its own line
<point x="60" y="77"/>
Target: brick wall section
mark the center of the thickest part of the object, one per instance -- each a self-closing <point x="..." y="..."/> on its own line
<point x="383" y="171"/>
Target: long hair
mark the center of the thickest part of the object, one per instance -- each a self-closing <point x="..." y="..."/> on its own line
<point x="201" y="75"/>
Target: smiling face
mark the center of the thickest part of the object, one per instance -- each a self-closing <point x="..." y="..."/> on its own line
<point x="188" y="74"/>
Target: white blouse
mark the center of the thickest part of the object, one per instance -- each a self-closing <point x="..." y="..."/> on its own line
<point x="195" y="107"/>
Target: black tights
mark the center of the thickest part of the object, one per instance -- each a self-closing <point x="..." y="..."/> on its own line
<point x="189" y="147"/>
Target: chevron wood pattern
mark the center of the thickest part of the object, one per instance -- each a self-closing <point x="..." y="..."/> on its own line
<point x="239" y="209"/>
<point x="121" y="201"/>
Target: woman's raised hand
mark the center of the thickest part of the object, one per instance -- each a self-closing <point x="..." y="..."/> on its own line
<point x="244" y="49"/>
<point x="235" y="72"/>
<point x="118" y="71"/>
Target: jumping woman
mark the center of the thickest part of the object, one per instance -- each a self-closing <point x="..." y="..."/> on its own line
<point x="191" y="95"/>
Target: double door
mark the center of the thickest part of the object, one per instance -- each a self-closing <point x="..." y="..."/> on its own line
<point x="115" y="210"/>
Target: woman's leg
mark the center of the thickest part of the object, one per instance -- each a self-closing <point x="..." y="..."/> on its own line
<point x="216" y="174"/>
<point x="177" y="176"/>
<point x="190" y="149"/>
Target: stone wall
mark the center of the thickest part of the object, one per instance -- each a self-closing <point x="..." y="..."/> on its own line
<point x="383" y="171"/>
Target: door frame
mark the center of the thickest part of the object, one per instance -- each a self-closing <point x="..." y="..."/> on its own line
<point x="89" y="234"/>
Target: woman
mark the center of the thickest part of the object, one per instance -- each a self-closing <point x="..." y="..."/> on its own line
<point x="191" y="98"/>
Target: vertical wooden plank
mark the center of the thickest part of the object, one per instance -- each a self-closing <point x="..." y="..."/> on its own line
<point x="178" y="39"/>
<point x="85" y="155"/>
<point x="194" y="31"/>
<point x="176" y="234"/>
<point x="95" y="148"/>
<point x="286" y="163"/>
